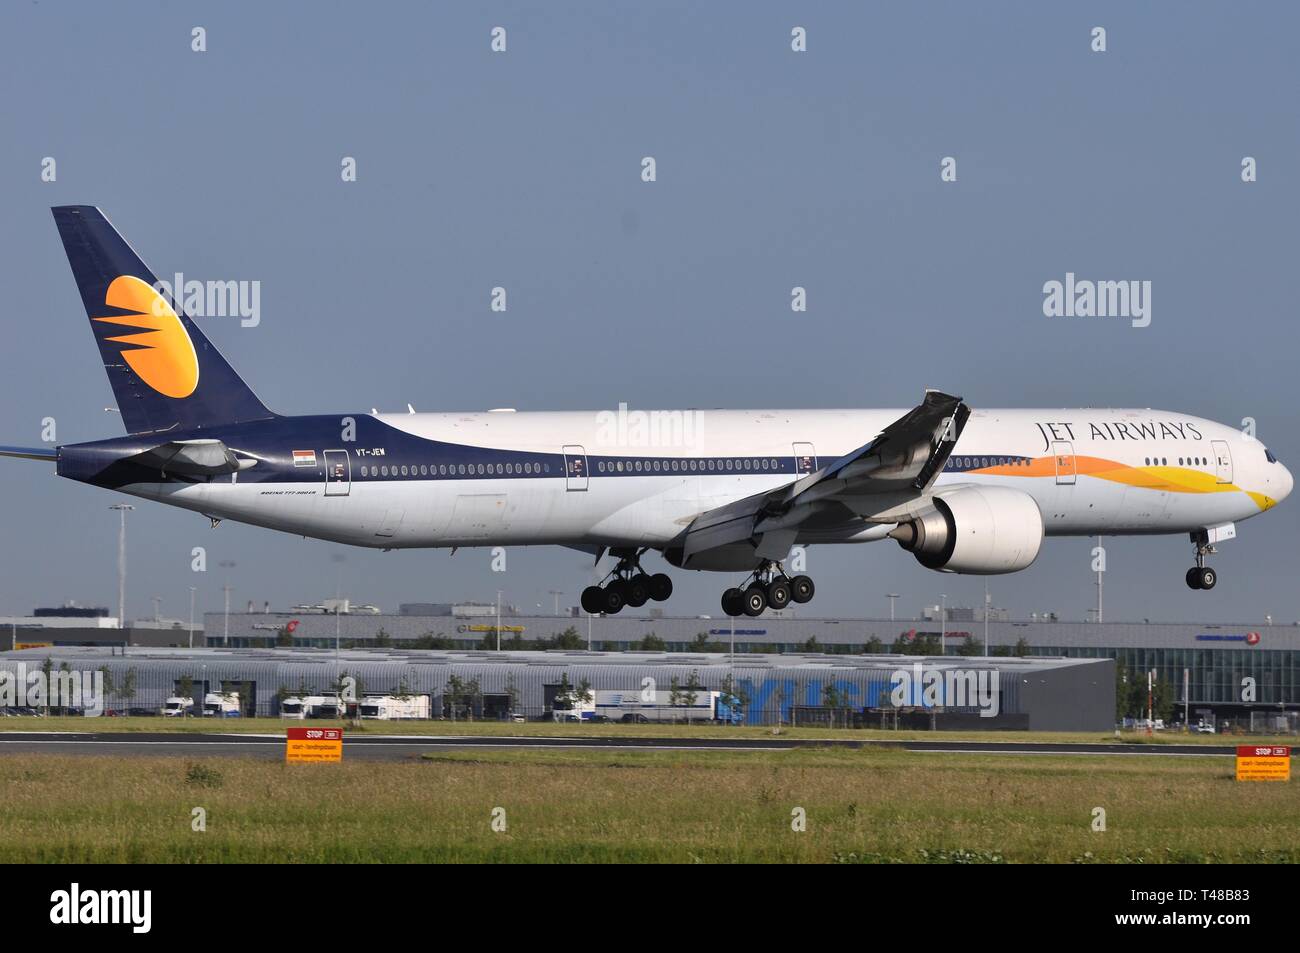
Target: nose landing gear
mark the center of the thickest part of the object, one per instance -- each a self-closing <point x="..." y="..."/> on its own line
<point x="768" y="587"/>
<point x="1202" y="576"/>
<point x="626" y="585"/>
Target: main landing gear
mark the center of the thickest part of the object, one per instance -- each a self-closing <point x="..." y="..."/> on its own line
<point x="627" y="585"/>
<point x="1202" y="576"/>
<point x="767" y="587"/>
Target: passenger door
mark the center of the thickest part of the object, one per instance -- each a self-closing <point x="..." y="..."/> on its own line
<point x="1222" y="461"/>
<point x="805" y="459"/>
<point x="338" y="473"/>
<point x="1066" y="471"/>
<point x="575" y="467"/>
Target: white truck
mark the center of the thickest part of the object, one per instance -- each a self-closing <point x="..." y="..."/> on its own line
<point x="633" y="706"/>
<point x="178" y="707"/>
<point x="637" y="706"/>
<point x="393" y="708"/>
<point x="221" y="705"/>
<point x="313" y="706"/>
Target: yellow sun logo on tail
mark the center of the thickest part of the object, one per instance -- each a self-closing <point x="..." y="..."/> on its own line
<point x="162" y="354"/>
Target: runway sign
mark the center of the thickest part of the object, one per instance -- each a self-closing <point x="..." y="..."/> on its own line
<point x="313" y="746"/>
<point x="1263" y="763"/>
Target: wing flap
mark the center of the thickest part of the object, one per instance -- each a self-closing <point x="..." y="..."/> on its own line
<point x="898" y="464"/>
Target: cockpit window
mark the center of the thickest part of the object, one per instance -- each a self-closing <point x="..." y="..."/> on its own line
<point x="1268" y="455"/>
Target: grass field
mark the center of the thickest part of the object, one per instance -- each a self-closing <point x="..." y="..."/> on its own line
<point x="559" y="806"/>
<point x="555" y="730"/>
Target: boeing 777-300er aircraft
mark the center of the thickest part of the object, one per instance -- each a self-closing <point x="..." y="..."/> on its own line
<point x="723" y="490"/>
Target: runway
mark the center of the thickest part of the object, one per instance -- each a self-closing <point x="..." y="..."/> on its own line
<point x="403" y="747"/>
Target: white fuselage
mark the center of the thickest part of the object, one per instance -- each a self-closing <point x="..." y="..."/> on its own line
<point x="644" y="477"/>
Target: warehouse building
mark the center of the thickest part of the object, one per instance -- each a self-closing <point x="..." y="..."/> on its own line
<point x="1239" y="672"/>
<point x="869" y="691"/>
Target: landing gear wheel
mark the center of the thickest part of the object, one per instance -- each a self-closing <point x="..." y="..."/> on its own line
<point x="733" y="602"/>
<point x="1206" y="578"/>
<point x="593" y="600"/>
<point x="637" y="590"/>
<point x="802" y="589"/>
<point x="778" y="593"/>
<point x="661" y="587"/>
<point x="614" y="597"/>
<point x="755" y="601"/>
<point x="1192" y="581"/>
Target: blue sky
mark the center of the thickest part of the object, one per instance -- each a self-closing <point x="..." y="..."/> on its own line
<point x="775" y="169"/>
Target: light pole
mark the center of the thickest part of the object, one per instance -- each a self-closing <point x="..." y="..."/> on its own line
<point x="121" y="564"/>
<point x="191" y="617"/>
<point x="943" y="623"/>
<point x="891" y="596"/>
<point x="1100" y="571"/>
<point x="226" y="564"/>
<point x="557" y="593"/>
<point x="986" y="616"/>
<point x="498" y="620"/>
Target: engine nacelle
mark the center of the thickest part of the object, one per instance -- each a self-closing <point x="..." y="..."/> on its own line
<point x="977" y="530"/>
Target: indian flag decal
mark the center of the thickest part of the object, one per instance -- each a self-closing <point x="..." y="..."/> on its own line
<point x="304" y="458"/>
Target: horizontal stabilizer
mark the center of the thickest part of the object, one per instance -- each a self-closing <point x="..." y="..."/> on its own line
<point x="30" y="453"/>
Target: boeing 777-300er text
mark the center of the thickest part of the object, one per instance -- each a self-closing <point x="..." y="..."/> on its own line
<point x="724" y="490"/>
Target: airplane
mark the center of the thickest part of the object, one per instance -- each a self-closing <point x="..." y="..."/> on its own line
<point x="729" y="491"/>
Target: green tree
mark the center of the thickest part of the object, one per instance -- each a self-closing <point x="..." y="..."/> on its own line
<point x="873" y="647"/>
<point x="734" y="696"/>
<point x="474" y="696"/>
<point x="811" y="644"/>
<point x="283" y="637"/>
<point x="47" y="670"/>
<point x="512" y="692"/>
<point x="127" y="690"/>
<point x="454" y="694"/>
<point x="834" y="698"/>
<point x="568" y="639"/>
<point x="652" y="643"/>
<point x="969" y="647"/>
<point x="690" y="693"/>
<point x="382" y="639"/>
<point x="1022" y="647"/>
<point x="108" y="682"/>
<point x="703" y="643"/>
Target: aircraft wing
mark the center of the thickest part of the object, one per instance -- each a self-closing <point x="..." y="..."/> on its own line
<point x="192" y="458"/>
<point x="899" y="463"/>
<point x="30" y="453"/>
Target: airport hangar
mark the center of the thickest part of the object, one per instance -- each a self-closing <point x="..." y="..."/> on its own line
<point x="1040" y="694"/>
<point x="1217" y="658"/>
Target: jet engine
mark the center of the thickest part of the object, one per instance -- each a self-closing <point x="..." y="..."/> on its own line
<point x="977" y="530"/>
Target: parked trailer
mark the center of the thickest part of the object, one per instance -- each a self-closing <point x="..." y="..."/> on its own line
<point x="636" y="706"/>
<point x="177" y="707"/>
<point x="221" y="705"/>
<point x="312" y="706"/>
<point x="393" y="708"/>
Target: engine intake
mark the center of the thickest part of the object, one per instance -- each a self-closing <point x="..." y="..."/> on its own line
<point x="976" y="530"/>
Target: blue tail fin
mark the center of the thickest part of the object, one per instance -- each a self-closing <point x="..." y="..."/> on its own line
<point x="165" y="374"/>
